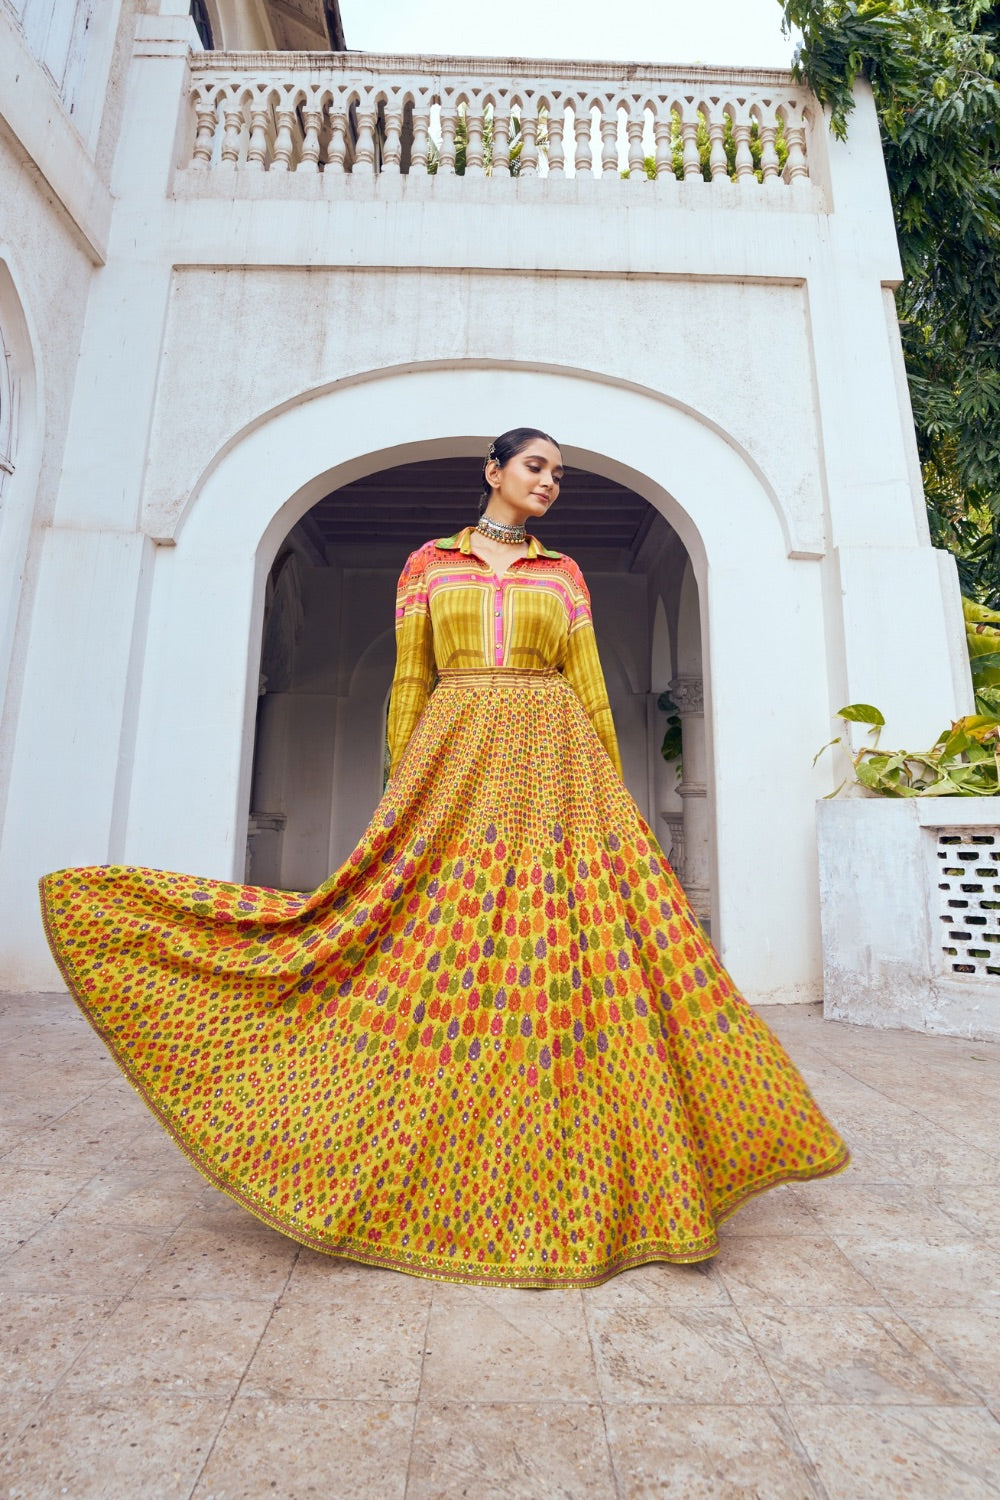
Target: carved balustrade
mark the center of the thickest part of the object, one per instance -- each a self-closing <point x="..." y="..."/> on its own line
<point x="368" y="115"/>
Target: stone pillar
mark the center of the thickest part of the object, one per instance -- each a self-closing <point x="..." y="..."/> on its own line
<point x="689" y="695"/>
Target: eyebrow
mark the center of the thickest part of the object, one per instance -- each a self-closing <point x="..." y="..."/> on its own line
<point x="540" y="458"/>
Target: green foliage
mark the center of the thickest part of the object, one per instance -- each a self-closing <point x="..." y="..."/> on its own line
<point x="462" y="144"/>
<point x="964" y="760"/>
<point x="705" y="149"/>
<point x="935" y="74"/>
<point x="982" y="637"/>
<point x="672" y="744"/>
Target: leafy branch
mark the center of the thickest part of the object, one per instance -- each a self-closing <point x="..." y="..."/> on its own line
<point x="934" y="69"/>
<point x="964" y="760"/>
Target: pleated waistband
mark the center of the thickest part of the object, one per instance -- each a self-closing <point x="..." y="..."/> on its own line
<point x="503" y="677"/>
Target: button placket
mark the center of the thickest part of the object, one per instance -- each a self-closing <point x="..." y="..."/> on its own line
<point x="498" y="624"/>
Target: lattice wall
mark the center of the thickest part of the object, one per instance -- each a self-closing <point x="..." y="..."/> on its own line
<point x="968" y="868"/>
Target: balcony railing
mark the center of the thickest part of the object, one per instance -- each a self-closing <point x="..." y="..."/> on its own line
<point x="384" y="116"/>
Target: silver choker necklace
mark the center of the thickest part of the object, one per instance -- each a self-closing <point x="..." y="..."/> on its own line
<point x="502" y="531"/>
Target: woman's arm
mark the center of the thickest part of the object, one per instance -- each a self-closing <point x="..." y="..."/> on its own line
<point x="414" y="675"/>
<point x="582" y="669"/>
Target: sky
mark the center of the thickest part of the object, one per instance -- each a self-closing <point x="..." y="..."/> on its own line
<point x="744" y="33"/>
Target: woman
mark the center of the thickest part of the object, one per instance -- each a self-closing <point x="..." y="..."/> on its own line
<point x="495" y="1046"/>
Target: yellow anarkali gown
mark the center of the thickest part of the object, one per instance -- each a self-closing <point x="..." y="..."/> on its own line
<point x="496" y="1045"/>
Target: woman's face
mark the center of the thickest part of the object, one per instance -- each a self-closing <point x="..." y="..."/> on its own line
<point x="529" y="482"/>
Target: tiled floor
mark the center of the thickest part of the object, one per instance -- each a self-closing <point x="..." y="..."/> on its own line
<point x="157" y="1342"/>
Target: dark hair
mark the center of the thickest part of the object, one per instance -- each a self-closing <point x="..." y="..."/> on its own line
<point x="506" y="447"/>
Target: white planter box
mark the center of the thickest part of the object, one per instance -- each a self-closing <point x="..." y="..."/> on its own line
<point x="910" y="912"/>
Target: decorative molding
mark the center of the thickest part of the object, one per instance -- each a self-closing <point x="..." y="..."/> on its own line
<point x="688" y="694"/>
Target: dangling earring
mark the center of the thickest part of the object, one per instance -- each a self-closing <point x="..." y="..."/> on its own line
<point x="498" y="531"/>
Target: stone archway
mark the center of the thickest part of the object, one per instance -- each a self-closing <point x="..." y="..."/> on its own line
<point x="190" y="784"/>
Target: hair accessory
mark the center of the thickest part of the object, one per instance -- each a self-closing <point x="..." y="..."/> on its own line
<point x="502" y="531"/>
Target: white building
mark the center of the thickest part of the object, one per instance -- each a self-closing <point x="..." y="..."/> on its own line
<point x="254" y="353"/>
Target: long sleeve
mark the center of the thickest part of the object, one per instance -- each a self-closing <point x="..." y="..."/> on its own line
<point x="582" y="669"/>
<point x="415" y="675"/>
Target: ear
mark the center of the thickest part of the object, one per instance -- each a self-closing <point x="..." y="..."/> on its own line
<point x="492" y="472"/>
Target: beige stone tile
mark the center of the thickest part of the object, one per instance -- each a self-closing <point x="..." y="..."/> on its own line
<point x="35" y="1009"/>
<point x="943" y="1271"/>
<point x="86" y="1109"/>
<point x="967" y="1339"/>
<point x="502" y="1344"/>
<point x="866" y="1165"/>
<point x="29" y="1053"/>
<point x="82" y="1259"/>
<point x="662" y="1284"/>
<point x="310" y="1450"/>
<point x="356" y="1346"/>
<point x="840" y="1088"/>
<point x="707" y="1453"/>
<point x="72" y="1073"/>
<point x="883" y="1210"/>
<point x="41" y="1336"/>
<point x="28" y="1108"/>
<point x="851" y="1356"/>
<point x="317" y="1276"/>
<point x="147" y="1144"/>
<point x="886" y="1453"/>
<point x="120" y="1447"/>
<point x="17" y="1410"/>
<point x="221" y="1255"/>
<point x="976" y="1209"/>
<point x="11" y="1138"/>
<point x="509" y="1450"/>
<point x="666" y="1354"/>
<point x="793" y="1272"/>
<point x="923" y="1153"/>
<point x="42" y="1151"/>
<point x="196" y="1346"/>
<point x="783" y="1210"/>
<point x="971" y="1120"/>
<point x="29" y="1201"/>
<point x="131" y="1195"/>
<point x="928" y="1081"/>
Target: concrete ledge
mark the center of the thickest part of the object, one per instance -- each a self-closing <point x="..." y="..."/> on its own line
<point x="884" y="939"/>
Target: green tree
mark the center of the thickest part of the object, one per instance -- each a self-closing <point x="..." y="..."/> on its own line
<point x="935" y="74"/>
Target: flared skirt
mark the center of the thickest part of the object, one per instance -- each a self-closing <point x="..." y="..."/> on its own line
<point x="495" y="1046"/>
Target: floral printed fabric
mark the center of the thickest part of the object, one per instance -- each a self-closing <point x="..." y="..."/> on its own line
<point x="495" y="1046"/>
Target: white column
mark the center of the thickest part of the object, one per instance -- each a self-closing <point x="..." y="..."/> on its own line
<point x="689" y="695"/>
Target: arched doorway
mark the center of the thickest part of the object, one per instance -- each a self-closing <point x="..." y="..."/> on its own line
<point x="328" y="650"/>
<point x="759" y="600"/>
